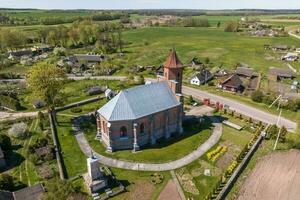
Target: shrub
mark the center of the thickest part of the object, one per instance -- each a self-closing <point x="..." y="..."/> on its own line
<point x="6" y="182"/>
<point x="5" y="142"/>
<point x="76" y="110"/>
<point x="18" y="130"/>
<point x="216" y="153"/>
<point x="59" y="51"/>
<point x="257" y="96"/>
<point x="231" y="168"/>
<point x="232" y="27"/>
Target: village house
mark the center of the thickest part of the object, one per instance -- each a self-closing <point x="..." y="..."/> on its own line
<point x="29" y="193"/>
<point x="280" y="48"/>
<point x="201" y="78"/>
<point x="143" y="114"/>
<point x="80" y="60"/>
<point x="232" y="84"/>
<point x="290" y="57"/>
<point x="277" y="74"/>
<point x="13" y="55"/>
<point x="2" y="159"/>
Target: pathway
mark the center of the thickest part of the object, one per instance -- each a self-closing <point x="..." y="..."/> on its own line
<point x="202" y="149"/>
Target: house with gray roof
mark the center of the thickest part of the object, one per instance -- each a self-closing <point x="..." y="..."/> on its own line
<point x="143" y="114"/>
<point x="277" y="74"/>
<point x="29" y="193"/>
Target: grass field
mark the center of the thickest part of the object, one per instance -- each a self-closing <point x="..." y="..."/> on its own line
<point x="149" y="46"/>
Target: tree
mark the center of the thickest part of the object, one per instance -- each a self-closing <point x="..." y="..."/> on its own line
<point x="5" y="142"/>
<point x="218" y="24"/>
<point x="206" y="61"/>
<point x="272" y="131"/>
<point x="232" y="27"/>
<point x="190" y="100"/>
<point x="283" y="133"/>
<point x="57" y="189"/>
<point x="257" y="96"/>
<point x="46" y="82"/>
<point x="6" y="182"/>
<point x="18" y="130"/>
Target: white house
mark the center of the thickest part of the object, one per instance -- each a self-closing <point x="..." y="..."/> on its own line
<point x="290" y="57"/>
<point x="201" y="78"/>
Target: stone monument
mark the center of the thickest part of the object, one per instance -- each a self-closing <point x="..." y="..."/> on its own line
<point x="95" y="179"/>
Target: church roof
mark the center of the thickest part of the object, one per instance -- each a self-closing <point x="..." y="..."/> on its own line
<point x="139" y="101"/>
<point x="173" y="60"/>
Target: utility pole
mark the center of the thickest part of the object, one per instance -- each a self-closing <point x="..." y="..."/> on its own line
<point x="279" y="98"/>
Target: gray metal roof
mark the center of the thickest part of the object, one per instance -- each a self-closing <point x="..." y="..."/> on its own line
<point x="139" y="101"/>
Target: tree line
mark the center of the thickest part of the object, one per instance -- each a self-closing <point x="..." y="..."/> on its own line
<point x="107" y="36"/>
<point x="7" y="19"/>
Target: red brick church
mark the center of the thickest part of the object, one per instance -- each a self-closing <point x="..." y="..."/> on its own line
<point x="143" y="114"/>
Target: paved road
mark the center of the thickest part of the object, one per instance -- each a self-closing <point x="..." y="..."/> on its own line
<point x="291" y="33"/>
<point x="202" y="149"/>
<point x="242" y="108"/>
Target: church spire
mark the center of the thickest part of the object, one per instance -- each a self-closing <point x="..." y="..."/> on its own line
<point x="173" y="60"/>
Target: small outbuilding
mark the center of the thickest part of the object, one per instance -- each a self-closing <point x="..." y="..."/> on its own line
<point x="277" y="74"/>
<point x="95" y="90"/>
<point x="246" y="72"/>
<point x="110" y="93"/>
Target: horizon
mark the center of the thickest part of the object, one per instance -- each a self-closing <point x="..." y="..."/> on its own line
<point x="151" y="4"/>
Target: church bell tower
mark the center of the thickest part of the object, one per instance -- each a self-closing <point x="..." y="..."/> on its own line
<point x="173" y="71"/>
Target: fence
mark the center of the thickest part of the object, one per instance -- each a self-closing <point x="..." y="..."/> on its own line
<point x="226" y="189"/>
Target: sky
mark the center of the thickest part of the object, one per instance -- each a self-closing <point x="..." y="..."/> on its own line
<point x="151" y="4"/>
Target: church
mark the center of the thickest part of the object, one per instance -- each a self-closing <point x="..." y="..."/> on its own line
<point x="143" y="114"/>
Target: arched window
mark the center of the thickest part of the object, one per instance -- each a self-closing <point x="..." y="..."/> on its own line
<point x="123" y="131"/>
<point x="142" y="128"/>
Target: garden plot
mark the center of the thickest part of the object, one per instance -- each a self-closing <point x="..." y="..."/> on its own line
<point x="194" y="181"/>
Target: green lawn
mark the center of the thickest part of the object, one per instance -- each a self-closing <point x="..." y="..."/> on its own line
<point x="160" y="153"/>
<point x="74" y="159"/>
<point x="138" y="184"/>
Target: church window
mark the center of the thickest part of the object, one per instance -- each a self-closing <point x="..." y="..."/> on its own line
<point x="123" y="131"/>
<point x="142" y="128"/>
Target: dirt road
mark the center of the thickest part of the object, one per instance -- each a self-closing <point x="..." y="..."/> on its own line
<point x="275" y="177"/>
